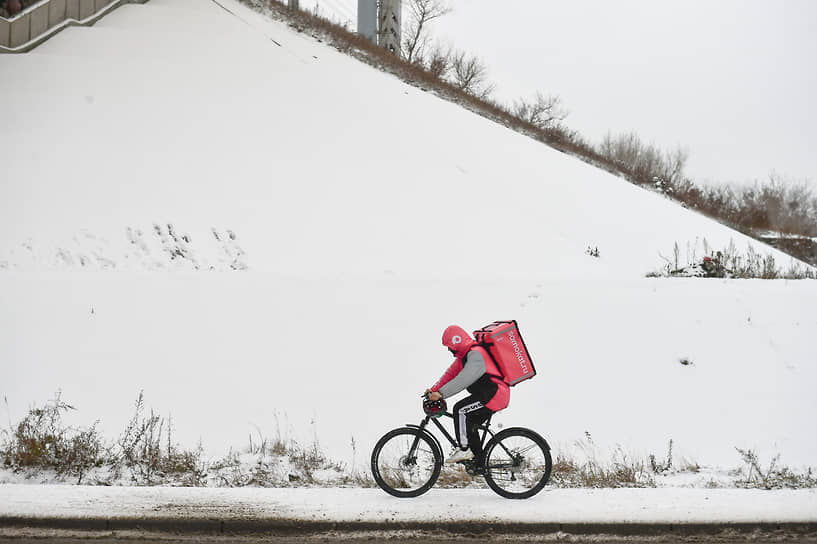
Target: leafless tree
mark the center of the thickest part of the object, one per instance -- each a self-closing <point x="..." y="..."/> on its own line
<point x="542" y="112"/>
<point x="470" y="74"/>
<point x="420" y="14"/>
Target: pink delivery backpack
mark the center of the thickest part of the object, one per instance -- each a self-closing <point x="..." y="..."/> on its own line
<point x="504" y="343"/>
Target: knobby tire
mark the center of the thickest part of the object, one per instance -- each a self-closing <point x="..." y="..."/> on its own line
<point x="517" y="463"/>
<point x="400" y="472"/>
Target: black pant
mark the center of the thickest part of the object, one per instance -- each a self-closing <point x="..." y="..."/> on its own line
<point x="468" y="414"/>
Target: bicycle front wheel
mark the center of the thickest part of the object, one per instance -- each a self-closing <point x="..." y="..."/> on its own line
<point x="406" y="462"/>
<point x="517" y="463"/>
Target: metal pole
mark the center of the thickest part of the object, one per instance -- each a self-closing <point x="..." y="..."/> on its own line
<point x="367" y="19"/>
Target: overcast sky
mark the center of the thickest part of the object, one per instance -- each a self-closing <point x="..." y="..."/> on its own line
<point x="732" y="81"/>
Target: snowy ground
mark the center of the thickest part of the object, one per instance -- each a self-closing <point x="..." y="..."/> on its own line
<point x="268" y="237"/>
<point x="372" y="505"/>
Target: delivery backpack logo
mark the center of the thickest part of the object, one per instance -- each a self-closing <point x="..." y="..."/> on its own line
<point x="503" y="342"/>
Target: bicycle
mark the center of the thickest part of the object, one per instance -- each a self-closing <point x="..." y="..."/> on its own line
<point x="407" y="461"/>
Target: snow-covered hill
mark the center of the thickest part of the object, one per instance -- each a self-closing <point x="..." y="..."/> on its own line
<point x="268" y="236"/>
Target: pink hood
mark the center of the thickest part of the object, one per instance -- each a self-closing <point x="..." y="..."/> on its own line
<point x="455" y="337"/>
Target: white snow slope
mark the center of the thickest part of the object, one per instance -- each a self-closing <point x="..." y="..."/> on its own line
<point x="268" y="237"/>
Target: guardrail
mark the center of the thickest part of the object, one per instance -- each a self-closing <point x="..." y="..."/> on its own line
<point x="28" y="29"/>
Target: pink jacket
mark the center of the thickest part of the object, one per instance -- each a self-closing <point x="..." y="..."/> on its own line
<point x="473" y="369"/>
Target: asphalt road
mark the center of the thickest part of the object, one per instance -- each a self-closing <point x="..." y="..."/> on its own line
<point x="584" y="539"/>
<point x="38" y="536"/>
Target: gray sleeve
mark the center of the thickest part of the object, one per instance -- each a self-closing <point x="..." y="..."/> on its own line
<point x="473" y="368"/>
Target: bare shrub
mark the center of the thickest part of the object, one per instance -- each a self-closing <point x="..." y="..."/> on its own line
<point x="42" y="441"/>
<point x="470" y="75"/>
<point x="544" y="111"/>
<point x="438" y="62"/>
<point x="774" y="476"/>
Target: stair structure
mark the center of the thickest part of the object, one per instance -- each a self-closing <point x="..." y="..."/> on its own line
<point x="31" y="27"/>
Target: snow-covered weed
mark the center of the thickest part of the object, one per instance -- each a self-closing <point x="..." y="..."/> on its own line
<point x="773" y="476"/>
<point x="659" y="467"/>
<point x="147" y="453"/>
<point x="701" y="260"/>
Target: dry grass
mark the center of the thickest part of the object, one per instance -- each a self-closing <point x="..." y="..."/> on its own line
<point x="730" y="263"/>
<point x="146" y="451"/>
<point x="621" y="472"/>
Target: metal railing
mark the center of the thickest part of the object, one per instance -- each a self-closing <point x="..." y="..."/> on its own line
<point x="30" y="28"/>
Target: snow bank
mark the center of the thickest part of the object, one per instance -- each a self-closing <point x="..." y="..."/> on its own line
<point x="372" y="505"/>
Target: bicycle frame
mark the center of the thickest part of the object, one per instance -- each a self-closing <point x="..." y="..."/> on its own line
<point x="484" y="427"/>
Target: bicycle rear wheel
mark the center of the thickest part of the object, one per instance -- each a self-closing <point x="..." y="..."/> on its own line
<point x="517" y="463"/>
<point x="406" y="462"/>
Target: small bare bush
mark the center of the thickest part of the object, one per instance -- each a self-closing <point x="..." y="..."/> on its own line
<point x="43" y="441"/>
<point x="438" y="62"/>
<point x="544" y="111"/>
<point x="470" y="75"/>
<point x="772" y="477"/>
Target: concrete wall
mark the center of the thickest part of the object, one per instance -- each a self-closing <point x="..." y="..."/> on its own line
<point x="35" y="21"/>
<point x="72" y="9"/>
<point x="86" y="8"/>
<point x="5" y="32"/>
<point x="39" y="20"/>
<point x="20" y="31"/>
<point x="56" y="12"/>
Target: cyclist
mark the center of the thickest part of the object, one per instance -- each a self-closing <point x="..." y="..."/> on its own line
<point x="473" y="369"/>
